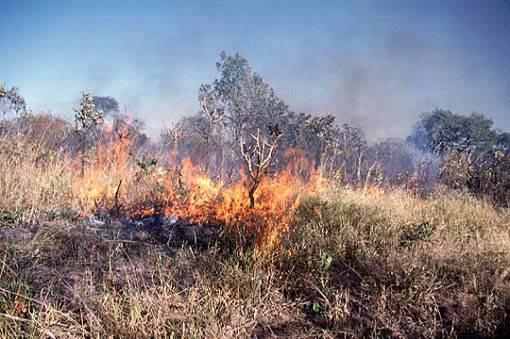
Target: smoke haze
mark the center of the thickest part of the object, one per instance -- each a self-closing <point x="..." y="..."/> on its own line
<point x="374" y="64"/>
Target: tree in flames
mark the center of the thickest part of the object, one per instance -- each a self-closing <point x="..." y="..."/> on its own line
<point x="258" y="157"/>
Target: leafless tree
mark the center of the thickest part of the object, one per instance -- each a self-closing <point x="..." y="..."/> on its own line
<point x="126" y="127"/>
<point x="214" y="117"/>
<point x="258" y="158"/>
<point x="173" y="136"/>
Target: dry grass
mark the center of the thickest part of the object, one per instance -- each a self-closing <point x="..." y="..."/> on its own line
<point x="354" y="264"/>
<point x="34" y="183"/>
<point x="81" y="285"/>
<point x="404" y="266"/>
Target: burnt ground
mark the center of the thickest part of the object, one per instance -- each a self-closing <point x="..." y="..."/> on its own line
<point x="169" y="231"/>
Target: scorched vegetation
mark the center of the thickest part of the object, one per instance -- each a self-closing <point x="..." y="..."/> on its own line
<point x="250" y="220"/>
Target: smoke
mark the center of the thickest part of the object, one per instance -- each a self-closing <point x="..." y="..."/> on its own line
<point x="379" y="78"/>
<point x="386" y="86"/>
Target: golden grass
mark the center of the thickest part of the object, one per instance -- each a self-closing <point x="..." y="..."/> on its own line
<point x="34" y="183"/>
<point x="354" y="263"/>
<point x="417" y="265"/>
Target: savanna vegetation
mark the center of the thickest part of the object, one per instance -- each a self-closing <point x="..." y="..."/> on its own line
<point x="247" y="219"/>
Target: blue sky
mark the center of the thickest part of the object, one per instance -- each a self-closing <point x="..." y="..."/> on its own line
<point x="377" y="64"/>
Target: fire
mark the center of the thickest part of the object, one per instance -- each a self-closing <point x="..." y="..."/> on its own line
<point x="115" y="181"/>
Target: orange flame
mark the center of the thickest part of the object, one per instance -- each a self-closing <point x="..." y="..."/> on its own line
<point x="114" y="179"/>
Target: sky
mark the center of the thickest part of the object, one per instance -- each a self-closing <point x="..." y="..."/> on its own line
<point x="374" y="64"/>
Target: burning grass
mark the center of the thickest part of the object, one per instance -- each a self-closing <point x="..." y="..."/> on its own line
<point x="119" y="184"/>
<point x="309" y="260"/>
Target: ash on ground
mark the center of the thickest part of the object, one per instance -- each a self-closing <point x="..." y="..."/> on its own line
<point x="171" y="231"/>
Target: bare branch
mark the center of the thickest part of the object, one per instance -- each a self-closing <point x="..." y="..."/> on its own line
<point x="258" y="158"/>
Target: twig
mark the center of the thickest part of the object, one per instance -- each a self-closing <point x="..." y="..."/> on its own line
<point x="117" y="206"/>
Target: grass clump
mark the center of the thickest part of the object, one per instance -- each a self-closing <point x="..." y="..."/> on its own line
<point x="34" y="182"/>
<point x="400" y="269"/>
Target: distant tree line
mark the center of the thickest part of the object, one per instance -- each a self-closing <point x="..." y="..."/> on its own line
<point x="474" y="155"/>
<point x="239" y="105"/>
<point x="243" y="124"/>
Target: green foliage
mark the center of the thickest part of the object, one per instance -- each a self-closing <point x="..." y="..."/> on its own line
<point x="146" y="164"/>
<point x="9" y="217"/>
<point x="317" y="308"/>
<point x="416" y="232"/>
<point x="106" y="104"/>
<point x="443" y="131"/>
<point x="240" y="102"/>
<point x="474" y="155"/>
<point x="326" y="261"/>
<point x="87" y="116"/>
<point x="242" y="96"/>
<point x="11" y="101"/>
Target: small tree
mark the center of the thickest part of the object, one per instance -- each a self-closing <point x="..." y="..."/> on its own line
<point x="106" y="104"/>
<point x="11" y="101"/>
<point x="214" y="116"/>
<point x="86" y="118"/>
<point x="173" y="136"/>
<point x="258" y="158"/>
<point x="126" y="128"/>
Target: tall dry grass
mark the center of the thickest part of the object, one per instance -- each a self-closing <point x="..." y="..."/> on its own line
<point x="390" y="264"/>
<point x="353" y="263"/>
<point x="34" y="181"/>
